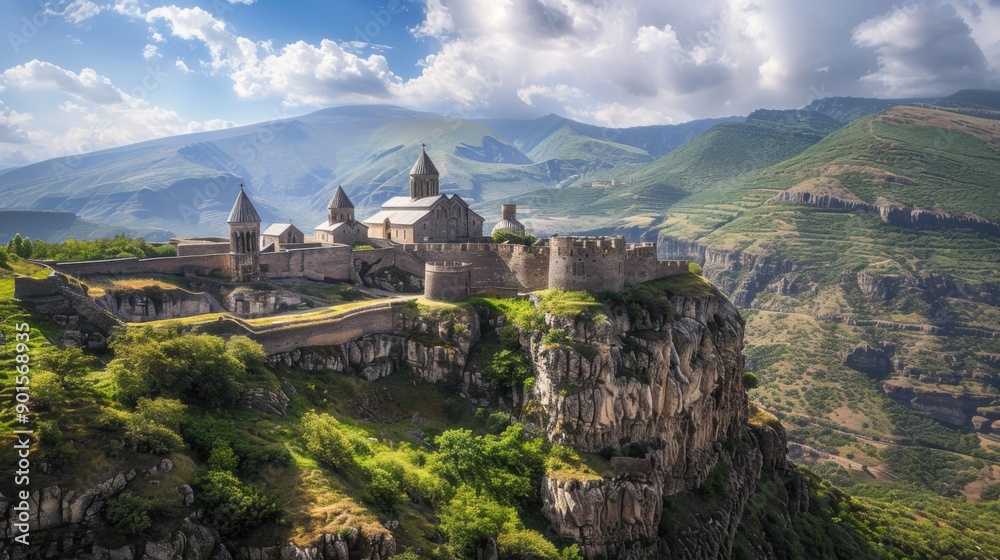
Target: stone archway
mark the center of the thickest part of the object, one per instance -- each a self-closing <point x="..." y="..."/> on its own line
<point x="387" y="229"/>
<point x="452" y="229"/>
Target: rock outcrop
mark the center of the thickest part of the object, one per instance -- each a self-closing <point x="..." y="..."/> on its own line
<point x="430" y="348"/>
<point x="957" y="409"/>
<point x="876" y="362"/>
<point x="154" y="303"/>
<point x="672" y="386"/>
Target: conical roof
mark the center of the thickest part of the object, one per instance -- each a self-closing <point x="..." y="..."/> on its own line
<point x="424" y="165"/>
<point x="340" y="200"/>
<point x="243" y="211"/>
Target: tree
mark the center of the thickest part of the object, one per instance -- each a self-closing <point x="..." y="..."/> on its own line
<point x="47" y="390"/>
<point x="71" y="364"/>
<point x="325" y="440"/>
<point x="248" y="352"/>
<point x="233" y="507"/>
<point x="128" y="513"/>
<point x="468" y="519"/>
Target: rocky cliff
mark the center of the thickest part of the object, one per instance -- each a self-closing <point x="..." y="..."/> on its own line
<point x="671" y="386"/>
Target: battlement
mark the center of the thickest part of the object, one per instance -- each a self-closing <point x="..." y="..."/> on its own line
<point x="574" y="243"/>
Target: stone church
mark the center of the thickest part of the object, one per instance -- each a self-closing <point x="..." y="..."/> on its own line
<point x="340" y="225"/>
<point x="426" y="216"/>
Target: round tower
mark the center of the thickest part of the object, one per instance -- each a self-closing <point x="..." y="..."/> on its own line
<point x="508" y="220"/>
<point x="594" y="264"/>
<point x="424" y="177"/>
<point x="340" y="209"/>
<point x="447" y="281"/>
<point x="244" y="240"/>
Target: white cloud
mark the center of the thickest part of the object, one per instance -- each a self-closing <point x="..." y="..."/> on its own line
<point x="104" y="118"/>
<point x="246" y="2"/>
<point x="128" y="8"/>
<point x="182" y="66"/>
<point x="11" y="131"/>
<point x="559" y="92"/>
<point x="77" y="11"/>
<point x="437" y="21"/>
<point x="150" y="52"/>
<point x="88" y="85"/>
<point x="923" y="49"/>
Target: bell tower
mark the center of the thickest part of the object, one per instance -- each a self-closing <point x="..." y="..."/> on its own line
<point x="244" y="240"/>
<point x="424" y="177"/>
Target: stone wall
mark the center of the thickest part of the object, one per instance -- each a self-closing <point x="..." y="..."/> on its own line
<point x="203" y="264"/>
<point x="447" y="281"/>
<point x="318" y="263"/>
<point x="206" y="248"/>
<point x="330" y="332"/>
<point x="643" y="265"/>
<point x="591" y="264"/>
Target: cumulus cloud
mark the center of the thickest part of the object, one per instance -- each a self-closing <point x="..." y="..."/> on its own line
<point x="98" y="116"/>
<point x="923" y="50"/>
<point x="88" y="85"/>
<point x="11" y="122"/>
<point x="300" y="72"/>
<point x="182" y="66"/>
<point x="150" y="52"/>
<point x="77" y="11"/>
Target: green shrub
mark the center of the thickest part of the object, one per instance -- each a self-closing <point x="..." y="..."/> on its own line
<point x="468" y="519"/>
<point x="149" y="363"/>
<point x="152" y="427"/>
<point x="750" y="380"/>
<point x="516" y="543"/>
<point x="248" y="352"/>
<point x="233" y="507"/>
<point x="571" y="552"/>
<point x="46" y="390"/>
<point x="70" y="363"/>
<point x="508" y="466"/>
<point x="128" y="513"/>
<point x="991" y="493"/>
<point x="505" y="235"/>
<point x="116" y="247"/>
<point x="325" y="440"/>
<point x="222" y="457"/>
<point x="507" y="369"/>
<point x="382" y="490"/>
<point x="556" y="337"/>
<point x="694" y="268"/>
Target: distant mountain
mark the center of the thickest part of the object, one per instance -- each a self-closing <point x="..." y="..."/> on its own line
<point x="186" y="184"/>
<point x="655" y="140"/>
<point x="643" y="192"/>
<point x="55" y="226"/>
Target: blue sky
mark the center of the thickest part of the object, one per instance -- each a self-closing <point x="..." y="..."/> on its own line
<point x="82" y="75"/>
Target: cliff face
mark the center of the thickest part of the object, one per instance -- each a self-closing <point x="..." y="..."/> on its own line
<point x="672" y="386"/>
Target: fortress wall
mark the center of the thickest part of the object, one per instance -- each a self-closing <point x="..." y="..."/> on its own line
<point x="336" y="331"/>
<point x="447" y="281"/>
<point x="217" y="263"/>
<point x="643" y="265"/>
<point x="317" y="263"/>
<point x="594" y="264"/>
<point x="372" y="260"/>
<point x="529" y="264"/>
<point x="26" y="287"/>
<point x="196" y="249"/>
<point x="489" y="269"/>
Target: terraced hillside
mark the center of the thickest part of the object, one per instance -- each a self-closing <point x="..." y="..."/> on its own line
<point x="870" y="262"/>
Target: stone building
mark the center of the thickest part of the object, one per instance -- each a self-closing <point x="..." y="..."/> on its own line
<point x="340" y="225"/>
<point x="244" y="240"/>
<point x="508" y="220"/>
<point x="277" y="235"/>
<point x="426" y="215"/>
<point x="594" y="264"/>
